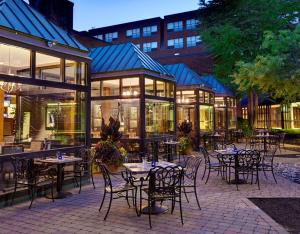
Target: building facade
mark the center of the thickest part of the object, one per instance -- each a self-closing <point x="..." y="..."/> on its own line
<point x="173" y="39"/>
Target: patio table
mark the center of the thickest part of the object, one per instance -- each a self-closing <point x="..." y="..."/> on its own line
<point x="236" y="164"/>
<point x="142" y="168"/>
<point x="60" y="173"/>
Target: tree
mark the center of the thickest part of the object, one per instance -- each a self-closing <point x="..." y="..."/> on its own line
<point x="276" y="69"/>
<point x="233" y="31"/>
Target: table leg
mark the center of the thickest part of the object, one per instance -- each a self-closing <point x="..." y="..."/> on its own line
<point x="237" y="180"/>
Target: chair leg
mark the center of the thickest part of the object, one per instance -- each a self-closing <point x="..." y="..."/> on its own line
<point x="92" y="176"/>
<point x="180" y="207"/>
<point x="149" y="213"/>
<point x="204" y="172"/>
<point x="274" y="175"/>
<point x="52" y="196"/>
<point x="13" y="196"/>
<point x="80" y="180"/>
<point x="136" y="209"/>
<point x="257" y="178"/>
<point x="108" y="206"/>
<point x="207" y="176"/>
<point x="127" y="199"/>
<point x="103" y="198"/>
<point x="185" y="194"/>
<point x="173" y="205"/>
<point x="196" y="195"/>
<point x="32" y="196"/>
<point x="265" y="174"/>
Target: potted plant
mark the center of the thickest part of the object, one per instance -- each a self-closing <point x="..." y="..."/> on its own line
<point x="184" y="139"/>
<point x="108" y="150"/>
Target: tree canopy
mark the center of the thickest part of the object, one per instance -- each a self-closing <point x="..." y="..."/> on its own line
<point x="234" y="30"/>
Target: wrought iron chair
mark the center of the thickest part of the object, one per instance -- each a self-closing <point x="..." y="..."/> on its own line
<point x="248" y="163"/>
<point x="190" y="177"/>
<point x="26" y="174"/>
<point x="267" y="163"/>
<point x="209" y="165"/>
<point x="164" y="184"/>
<point x="117" y="189"/>
<point x="228" y="165"/>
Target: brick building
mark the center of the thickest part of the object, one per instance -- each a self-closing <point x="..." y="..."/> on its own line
<point x="173" y="39"/>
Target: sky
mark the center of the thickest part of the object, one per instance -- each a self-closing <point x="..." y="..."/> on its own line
<point x="99" y="13"/>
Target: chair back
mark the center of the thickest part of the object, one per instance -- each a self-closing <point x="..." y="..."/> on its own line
<point x="165" y="179"/>
<point x="191" y="167"/>
<point x="105" y="173"/>
<point x="23" y="169"/>
<point x="248" y="159"/>
<point x="205" y="154"/>
<point x="268" y="156"/>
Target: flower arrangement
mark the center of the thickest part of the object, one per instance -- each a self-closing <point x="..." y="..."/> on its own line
<point x="109" y="150"/>
<point x="184" y="129"/>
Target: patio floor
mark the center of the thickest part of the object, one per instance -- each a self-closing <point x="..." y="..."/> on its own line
<point x="224" y="210"/>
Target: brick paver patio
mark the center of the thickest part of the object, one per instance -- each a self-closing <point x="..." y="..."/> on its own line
<point x="224" y="210"/>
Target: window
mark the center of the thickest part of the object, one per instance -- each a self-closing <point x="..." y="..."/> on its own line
<point x="149" y="86"/>
<point x="170" y="90"/>
<point x="110" y="87"/>
<point x="14" y="61"/>
<point x="83" y="73"/>
<point x="133" y="33"/>
<point x="150" y="46"/>
<point x="206" y="118"/>
<point x="160" y="88"/>
<point x="176" y="43"/>
<point x="192" y="24"/>
<point x="148" y="31"/>
<point x="100" y="37"/>
<point x="95" y="89"/>
<point x="71" y="71"/>
<point x="130" y="86"/>
<point x="48" y="67"/>
<point x="175" y="26"/>
<point x="109" y="37"/>
<point x="193" y="41"/>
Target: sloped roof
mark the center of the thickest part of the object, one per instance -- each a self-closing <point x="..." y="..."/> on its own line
<point x="19" y="16"/>
<point x="184" y="75"/>
<point x="217" y="86"/>
<point x="123" y="57"/>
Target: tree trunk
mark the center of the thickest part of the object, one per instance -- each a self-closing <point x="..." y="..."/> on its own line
<point x="252" y="108"/>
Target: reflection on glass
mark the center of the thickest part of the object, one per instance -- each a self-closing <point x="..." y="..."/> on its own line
<point x="220" y="102"/>
<point x="275" y="116"/>
<point x="14" y="61"/>
<point x="160" y="88"/>
<point x="206" y="118"/>
<point x="95" y="89"/>
<point x="187" y="96"/>
<point x="159" y="117"/>
<point x="48" y="67"/>
<point x="71" y="71"/>
<point x="36" y="113"/>
<point x="110" y="87"/>
<point x="170" y="90"/>
<point x="126" y="110"/>
<point x="295" y="115"/>
<point x="186" y="113"/>
<point x="201" y="96"/>
<point x="130" y="86"/>
<point x="220" y="117"/>
<point x="231" y="118"/>
<point x="206" y="97"/>
<point x="149" y="86"/>
<point x="83" y="73"/>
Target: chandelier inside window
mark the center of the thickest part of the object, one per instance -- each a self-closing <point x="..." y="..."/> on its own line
<point x="9" y="87"/>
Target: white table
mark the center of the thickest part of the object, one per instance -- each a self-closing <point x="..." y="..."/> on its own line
<point x="60" y="173"/>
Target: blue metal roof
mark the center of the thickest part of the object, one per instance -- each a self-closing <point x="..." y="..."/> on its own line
<point x="19" y="16"/>
<point x="217" y="86"/>
<point x="184" y="75"/>
<point x="123" y="57"/>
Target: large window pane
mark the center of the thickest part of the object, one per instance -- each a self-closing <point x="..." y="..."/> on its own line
<point x="95" y="89"/>
<point x="295" y="107"/>
<point x="33" y="114"/>
<point x="188" y="96"/>
<point x="231" y="118"/>
<point x="130" y="87"/>
<point x="127" y="111"/>
<point x="149" y="86"/>
<point x="71" y="71"/>
<point x="186" y="113"/>
<point x="110" y="87"/>
<point x="48" y="67"/>
<point x="220" y="118"/>
<point x="170" y="90"/>
<point x="14" y="61"/>
<point x="275" y="115"/>
<point x="206" y="118"/>
<point x="83" y="73"/>
<point x="159" y="117"/>
<point x="160" y="88"/>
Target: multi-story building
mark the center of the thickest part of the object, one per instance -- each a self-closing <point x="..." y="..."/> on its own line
<point x="173" y="39"/>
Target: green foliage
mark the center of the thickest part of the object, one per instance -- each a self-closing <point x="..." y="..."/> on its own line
<point x="185" y="128"/>
<point x="233" y="30"/>
<point x="276" y="69"/>
<point x="184" y="144"/>
<point x="244" y="126"/>
<point x="110" y="131"/>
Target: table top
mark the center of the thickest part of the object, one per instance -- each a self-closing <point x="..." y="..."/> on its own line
<point x="67" y="159"/>
<point x="144" y="168"/>
<point x="171" y="142"/>
<point x="226" y="151"/>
